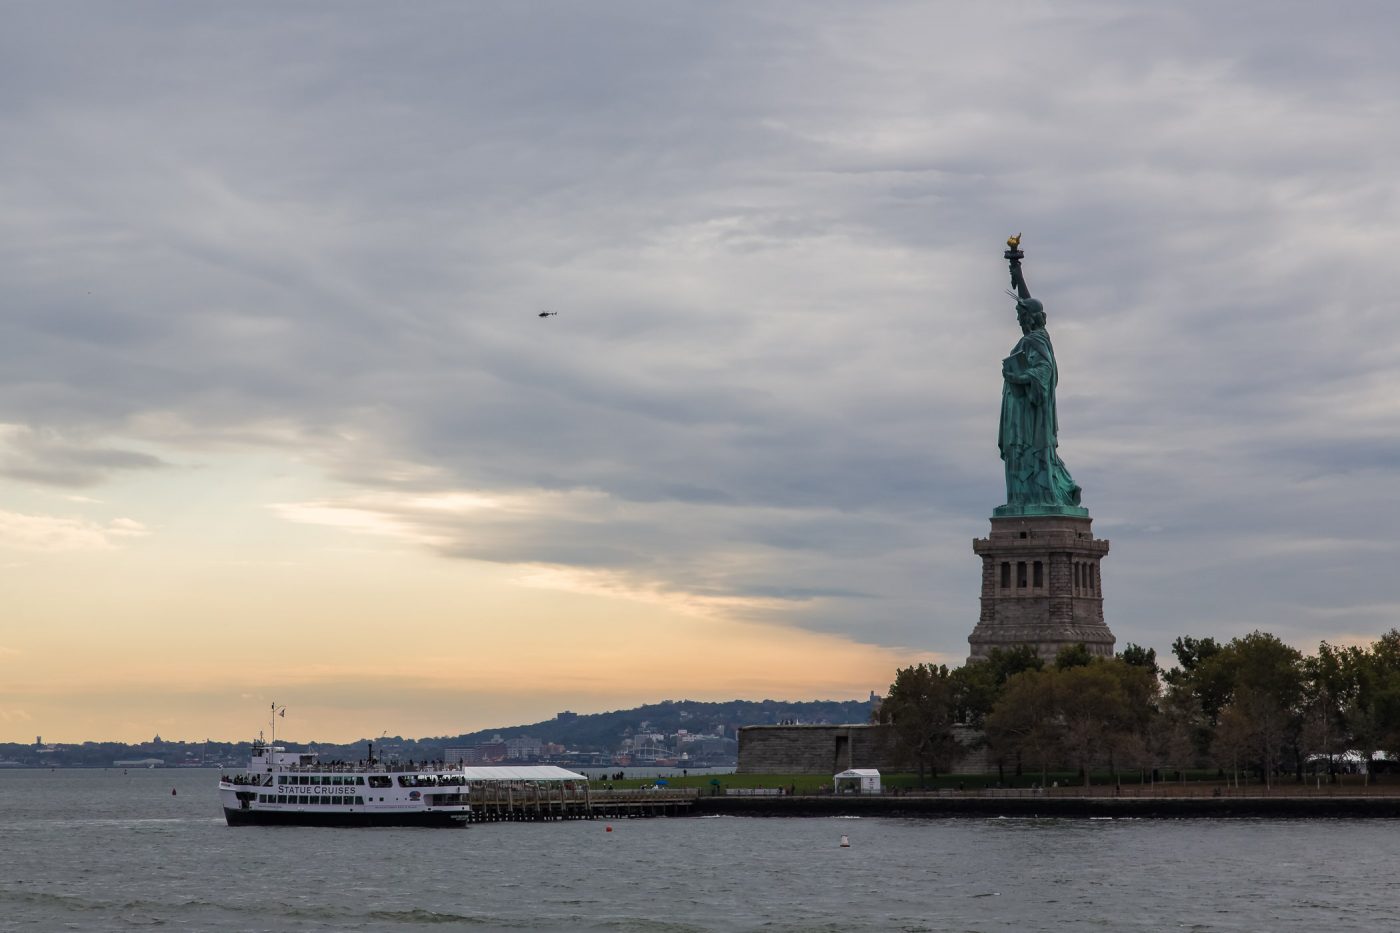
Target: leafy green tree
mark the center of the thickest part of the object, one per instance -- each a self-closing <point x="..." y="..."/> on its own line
<point x="1261" y="681"/>
<point x="978" y="684"/>
<point x="1371" y="710"/>
<point x="1385" y="687"/>
<point x="1329" y="688"/>
<point x="1089" y="701"/>
<point x="1106" y="708"/>
<point x="1026" y="723"/>
<point x="1192" y="652"/>
<point x="920" y="707"/>
<point x="1196" y="675"/>
<point x="1232" y="740"/>
<point x="1138" y="656"/>
<point x="1179" y="731"/>
<point x="1072" y="656"/>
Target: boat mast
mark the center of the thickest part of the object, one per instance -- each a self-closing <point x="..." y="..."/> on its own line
<point x="272" y="719"/>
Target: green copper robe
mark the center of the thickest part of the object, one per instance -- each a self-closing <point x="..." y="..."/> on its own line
<point x="1035" y="475"/>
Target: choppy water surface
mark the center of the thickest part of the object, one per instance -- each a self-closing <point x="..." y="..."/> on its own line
<point x="103" y="850"/>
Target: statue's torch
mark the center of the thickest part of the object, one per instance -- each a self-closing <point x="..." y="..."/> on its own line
<point x="1014" y="256"/>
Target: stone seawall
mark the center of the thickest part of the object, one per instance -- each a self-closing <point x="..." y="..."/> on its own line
<point x="816" y="749"/>
<point x="1340" y="807"/>
<point x="831" y="749"/>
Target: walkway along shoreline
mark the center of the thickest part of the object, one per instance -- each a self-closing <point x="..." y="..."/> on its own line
<point x="1085" y="807"/>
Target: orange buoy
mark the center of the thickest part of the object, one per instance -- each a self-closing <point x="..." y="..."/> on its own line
<point x="609" y="829"/>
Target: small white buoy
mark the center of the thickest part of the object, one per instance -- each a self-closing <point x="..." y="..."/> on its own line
<point x="845" y="841"/>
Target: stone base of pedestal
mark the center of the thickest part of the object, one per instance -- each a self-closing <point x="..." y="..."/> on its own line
<point x="1041" y="587"/>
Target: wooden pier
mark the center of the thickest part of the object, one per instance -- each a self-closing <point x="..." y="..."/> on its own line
<point x="506" y="802"/>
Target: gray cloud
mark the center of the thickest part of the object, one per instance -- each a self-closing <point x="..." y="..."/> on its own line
<point x="772" y="234"/>
<point x="43" y="458"/>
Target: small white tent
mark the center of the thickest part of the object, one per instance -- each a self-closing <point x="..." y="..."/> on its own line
<point x="858" y="781"/>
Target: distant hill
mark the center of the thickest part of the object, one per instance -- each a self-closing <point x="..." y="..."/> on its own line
<point x="604" y="732"/>
<point x="582" y="732"/>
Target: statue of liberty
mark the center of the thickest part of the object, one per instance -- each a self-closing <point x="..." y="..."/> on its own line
<point x="1037" y="481"/>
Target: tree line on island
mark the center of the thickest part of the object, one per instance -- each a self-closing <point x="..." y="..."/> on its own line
<point x="1252" y="706"/>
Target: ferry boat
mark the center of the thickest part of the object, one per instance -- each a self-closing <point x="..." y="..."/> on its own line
<point x="296" y="788"/>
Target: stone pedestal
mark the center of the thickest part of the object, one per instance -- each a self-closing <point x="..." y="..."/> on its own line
<point x="1041" y="586"/>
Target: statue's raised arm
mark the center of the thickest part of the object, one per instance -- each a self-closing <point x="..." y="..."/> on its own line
<point x="1013" y="256"/>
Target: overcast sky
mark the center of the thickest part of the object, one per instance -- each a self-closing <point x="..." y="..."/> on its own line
<point x="280" y="420"/>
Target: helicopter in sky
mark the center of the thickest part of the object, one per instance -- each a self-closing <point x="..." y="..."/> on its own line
<point x="549" y="314"/>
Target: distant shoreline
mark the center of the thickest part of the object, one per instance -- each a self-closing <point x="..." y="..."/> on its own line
<point x="1063" y="807"/>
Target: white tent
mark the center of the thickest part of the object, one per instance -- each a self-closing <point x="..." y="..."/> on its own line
<point x="858" y="781"/>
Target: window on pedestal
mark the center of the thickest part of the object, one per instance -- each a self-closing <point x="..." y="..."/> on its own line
<point x="1038" y="575"/>
<point x="1020" y="575"/>
<point x="1006" y="574"/>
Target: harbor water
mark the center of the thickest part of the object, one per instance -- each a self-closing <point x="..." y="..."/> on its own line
<point x="108" y="850"/>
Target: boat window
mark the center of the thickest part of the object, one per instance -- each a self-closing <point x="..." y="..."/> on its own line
<point x="417" y="780"/>
<point x="359" y="801"/>
<point x="359" y="781"/>
<point x="380" y="780"/>
<point x="281" y="779"/>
